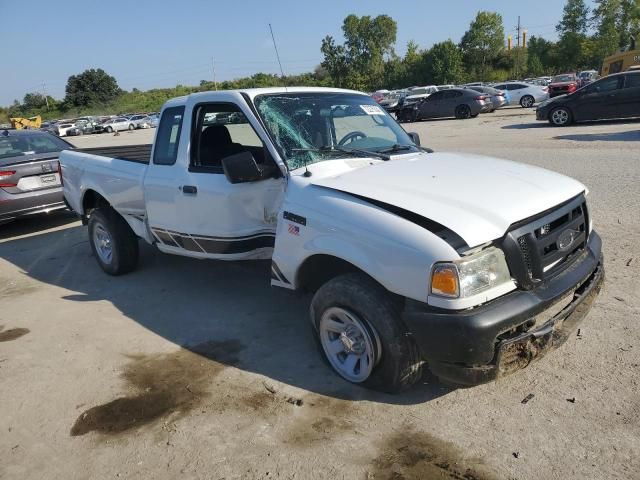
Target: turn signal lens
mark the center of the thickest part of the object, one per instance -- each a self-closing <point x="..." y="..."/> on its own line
<point x="444" y="281"/>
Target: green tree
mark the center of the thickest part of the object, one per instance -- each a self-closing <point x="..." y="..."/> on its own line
<point x="535" y="68"/>
<point x="629" y="23"/>
<point x="573" y="29"/>
<point x="444" y="63"/>
<point x="33" y="101"/>
<point x="91" y="87"/>
<point x="483" y="42"/>
<point x="546" y="52"/>
<point x="606" y="19"/>
<point x="360" y="62"/>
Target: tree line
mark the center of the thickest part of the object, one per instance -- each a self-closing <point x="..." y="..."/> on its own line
<point x="367" y="60"/>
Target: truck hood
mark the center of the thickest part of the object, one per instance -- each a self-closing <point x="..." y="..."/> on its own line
<point x="477" y="197"/>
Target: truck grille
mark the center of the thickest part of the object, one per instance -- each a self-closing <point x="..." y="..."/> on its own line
<point x="540" y="247"/>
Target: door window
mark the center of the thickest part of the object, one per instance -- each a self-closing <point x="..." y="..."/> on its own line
<point x="604" y="85"/>
<point x="222" y="130"/>
<point x="168" y="136"/>
<point x="632" y="81"/>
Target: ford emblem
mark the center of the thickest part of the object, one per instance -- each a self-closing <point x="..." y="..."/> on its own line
<point x="565" y="239"/>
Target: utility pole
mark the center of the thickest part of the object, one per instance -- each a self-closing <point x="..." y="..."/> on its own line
<point x="44" y="92"/>
<point x="213" y="66"/>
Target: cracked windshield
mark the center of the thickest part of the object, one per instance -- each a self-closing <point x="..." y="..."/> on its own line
<point x="310" y="128"/>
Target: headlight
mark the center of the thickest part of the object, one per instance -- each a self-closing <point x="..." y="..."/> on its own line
<point x="470" y="275"/>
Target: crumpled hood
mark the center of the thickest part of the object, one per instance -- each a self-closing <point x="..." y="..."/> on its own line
<point x="475" y="196"/>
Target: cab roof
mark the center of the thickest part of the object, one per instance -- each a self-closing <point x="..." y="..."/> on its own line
<point x="252" y="93"/>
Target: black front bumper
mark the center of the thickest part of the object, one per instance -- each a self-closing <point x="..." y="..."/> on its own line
<point x="478" y="345"/>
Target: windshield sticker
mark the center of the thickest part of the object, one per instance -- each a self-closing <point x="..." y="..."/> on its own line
<point x="372" y="109"/>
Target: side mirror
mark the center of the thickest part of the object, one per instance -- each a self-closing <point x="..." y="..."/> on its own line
<point x="242" y="167"/>
<point x="415" y="138"/>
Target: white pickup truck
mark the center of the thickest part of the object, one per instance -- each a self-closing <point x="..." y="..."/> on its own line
<point x="471" y="266"/>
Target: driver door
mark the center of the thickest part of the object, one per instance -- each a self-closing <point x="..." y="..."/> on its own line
<point x="192" y="208"/>
<point x="599" y="100"/>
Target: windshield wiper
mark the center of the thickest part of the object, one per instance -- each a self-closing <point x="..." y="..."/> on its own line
<point x="396" y="148"/>
<point x="339" y="149"/>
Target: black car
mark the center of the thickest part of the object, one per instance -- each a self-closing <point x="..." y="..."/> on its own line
<point x="614" y="96"/>
<point x="29" y="176"/>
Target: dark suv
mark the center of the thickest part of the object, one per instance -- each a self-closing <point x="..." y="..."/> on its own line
<point x="614" y="96"/>
<point x="29" y="176"/>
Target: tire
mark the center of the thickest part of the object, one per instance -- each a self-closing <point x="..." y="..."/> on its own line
<point x="463" y="112"/>
<point x="108" y="130"/>
<point x="393" y="362"/>
<point x="474" y="116"/>
<point x="560" y="117"/>
<point x="131" y="126"/>
<point x="527" y="101"/>
<point x="108" y="227"/>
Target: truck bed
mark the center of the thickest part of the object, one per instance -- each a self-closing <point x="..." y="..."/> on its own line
<point x="130" y="153"/>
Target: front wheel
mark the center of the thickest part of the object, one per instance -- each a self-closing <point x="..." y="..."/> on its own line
<point x="112" y="241"/>
<point x="560" y="117"/>
<point x="362" y="336"/>
<point x="527" y="101"/>
<point x="109" y="130"/>
<point x="131" y="127"/>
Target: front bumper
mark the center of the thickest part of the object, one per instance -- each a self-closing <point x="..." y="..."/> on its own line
<point x="479" y="345"/>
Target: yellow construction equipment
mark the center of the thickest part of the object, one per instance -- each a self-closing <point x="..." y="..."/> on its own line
<point x="620" y="62"/>
<point x="20" y="123"/>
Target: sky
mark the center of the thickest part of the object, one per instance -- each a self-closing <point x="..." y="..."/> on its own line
<point x="146" y="44"/>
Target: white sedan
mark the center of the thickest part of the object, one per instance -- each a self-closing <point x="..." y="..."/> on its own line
<point x="525" y="94"/>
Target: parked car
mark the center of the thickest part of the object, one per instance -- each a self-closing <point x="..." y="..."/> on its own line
<point x="139" y="120"/>
<point x="563" y="84"/>
<point x="497" y="97"/>
<point x="445" y="87"/>
<point x="456" y="102"/>
<point x="614" y="96"/>
<point x="117" y="124"/>
<point x="493" y="263"/>
<point x="416" y="94"/>
<point x="393" y="101"/>
<point x="524" y="94"/>
<point x="586" y="77"/>
<point x="29" y="176"/>
<point x="63" y="127"/>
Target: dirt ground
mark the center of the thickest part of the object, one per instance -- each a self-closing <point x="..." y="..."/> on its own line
<point x="199" y="369"/>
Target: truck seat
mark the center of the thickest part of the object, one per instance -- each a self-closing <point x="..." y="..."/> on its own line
<point x="215" y="144"/>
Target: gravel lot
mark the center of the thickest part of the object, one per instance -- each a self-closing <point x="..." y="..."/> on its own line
<point x="94" y="384"/>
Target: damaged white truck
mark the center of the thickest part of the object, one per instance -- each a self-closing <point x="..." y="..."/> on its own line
<point x="470" y="266"/>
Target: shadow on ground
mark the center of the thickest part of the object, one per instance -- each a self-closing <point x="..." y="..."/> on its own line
<point x="630" y="136"/>
<point x="191" y="302"/>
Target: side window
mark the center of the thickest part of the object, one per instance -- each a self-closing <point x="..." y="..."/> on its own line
<point x="168" y="136"/>
<point x="501" y="87"/>
<point x="221" y="130"/>
<point x="437" y="96"/>
<point x="606" y="85"/>
<point x="632" y="81"/>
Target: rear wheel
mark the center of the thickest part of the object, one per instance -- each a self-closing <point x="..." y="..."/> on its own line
<point x="527" y="101"/>
<point x="560" y="117"/>
<point x="463" y="112"/>
<point x="112" y="241"/>
<point x="362" y="336"/>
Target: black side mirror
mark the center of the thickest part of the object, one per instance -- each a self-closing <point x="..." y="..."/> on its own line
<point x="242" y="167"/>
<point x="415" y="138"/>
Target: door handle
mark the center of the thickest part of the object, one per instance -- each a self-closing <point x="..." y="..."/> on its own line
<point x="189" y="189"/>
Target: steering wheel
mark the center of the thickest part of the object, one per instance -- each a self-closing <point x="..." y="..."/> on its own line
<point x="350" y="137"/>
